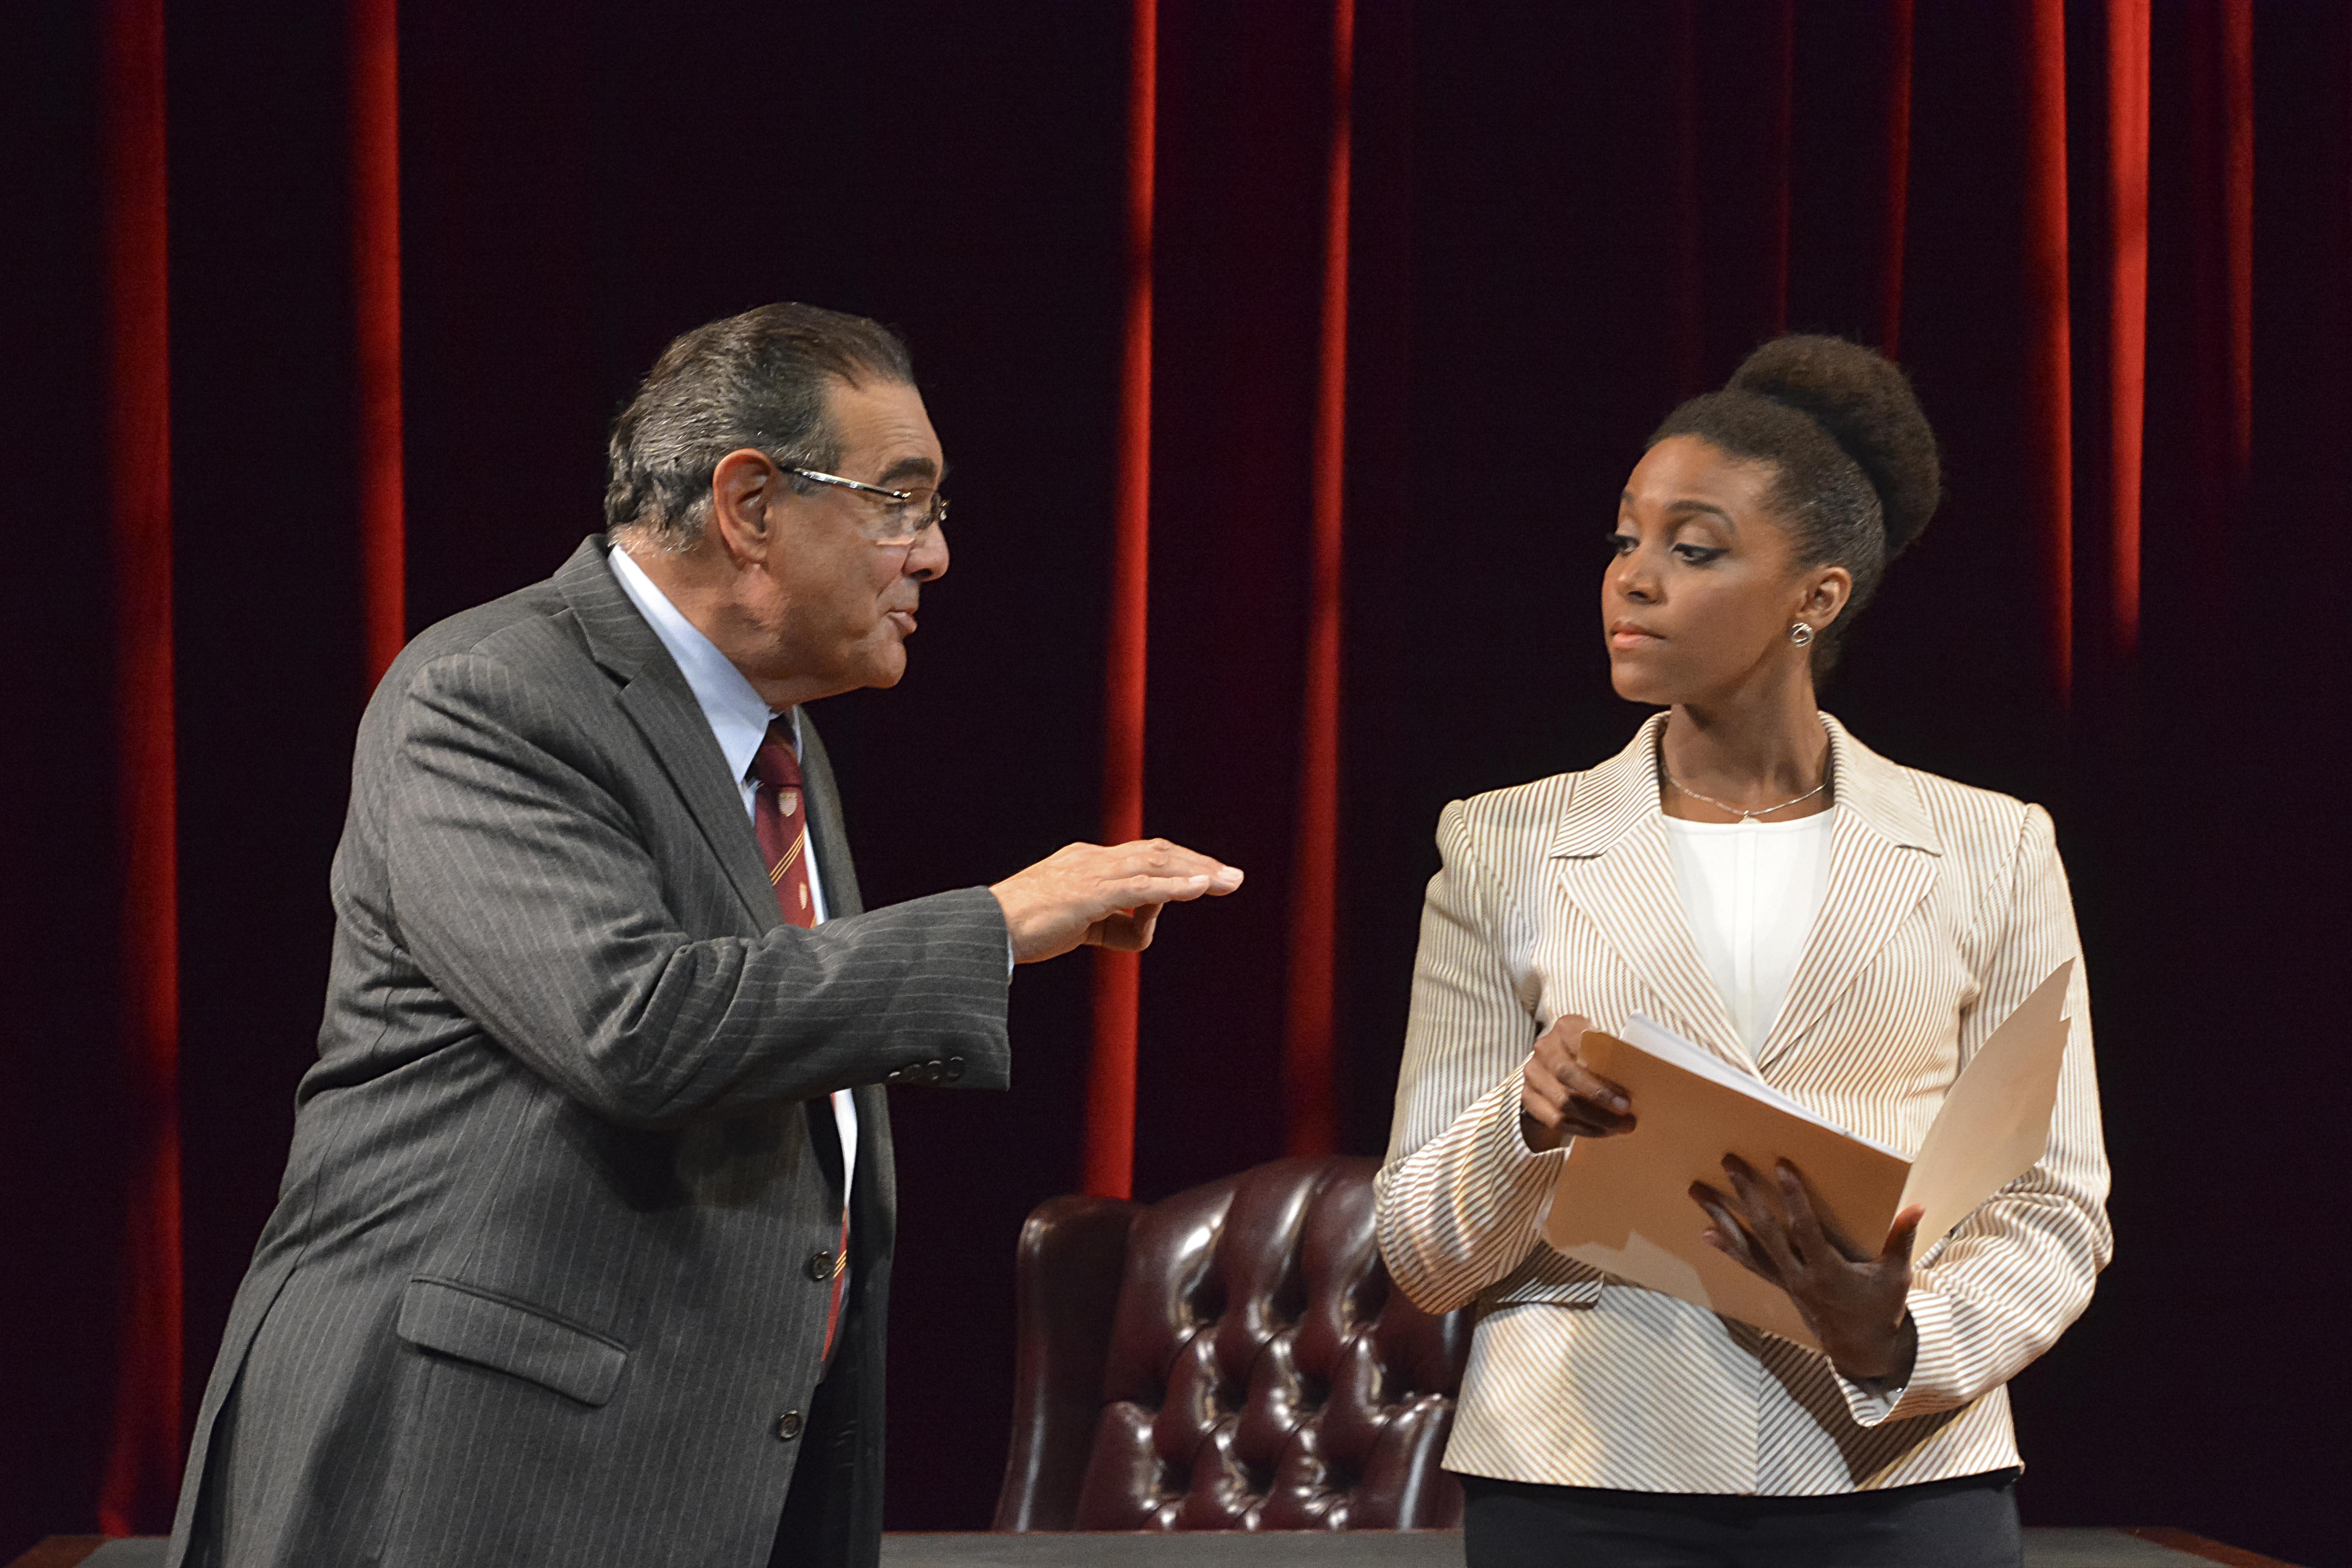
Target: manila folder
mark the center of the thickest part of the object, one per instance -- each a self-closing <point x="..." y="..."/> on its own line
<point x="1622" y="1205"/>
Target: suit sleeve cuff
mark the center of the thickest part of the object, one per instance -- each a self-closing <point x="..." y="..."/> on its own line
<point x="1931" y="1370"/>
<point x="1528" y="1175"/>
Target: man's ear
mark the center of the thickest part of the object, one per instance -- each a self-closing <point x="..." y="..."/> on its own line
<point x="742" y="487"/>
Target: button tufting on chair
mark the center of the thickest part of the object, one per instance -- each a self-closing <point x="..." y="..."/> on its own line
<point x="1230" y="1358"/>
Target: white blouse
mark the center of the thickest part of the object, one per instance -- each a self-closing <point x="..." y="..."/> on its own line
<point x="1751" y="891"/>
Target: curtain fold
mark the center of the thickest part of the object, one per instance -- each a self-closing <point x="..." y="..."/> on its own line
<point x="1109" y="1132"/>
<point x="1310" y="1088"/>
<point x="142" y="1463"/>
<point x="375" y="275"/>
<point x="2048" y="328"/>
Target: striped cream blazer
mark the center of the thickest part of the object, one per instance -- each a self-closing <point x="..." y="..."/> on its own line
<point x="1946" y="905"/>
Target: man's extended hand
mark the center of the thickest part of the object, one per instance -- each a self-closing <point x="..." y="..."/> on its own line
<point x="1087" y="894"/>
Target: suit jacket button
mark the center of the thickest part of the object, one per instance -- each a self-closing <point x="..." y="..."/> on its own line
<point x="954" y="1068"/>
<point x="820" y="1265"/>
<point x="788" y="1426"/>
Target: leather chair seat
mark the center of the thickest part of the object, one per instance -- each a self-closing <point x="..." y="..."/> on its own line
<point x="1231" y="1358"/>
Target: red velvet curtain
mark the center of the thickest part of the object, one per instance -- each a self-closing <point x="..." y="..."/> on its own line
<point x="1289" y="357"/>
<point x="141" y="1460"/>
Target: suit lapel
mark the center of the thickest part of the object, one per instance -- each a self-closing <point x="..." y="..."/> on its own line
<point x="1883" y="862"/>
<point x="877" y="1181"/>
<point x="1613" y="863"/>
<point x="657" y="701"/>
<point x="827" y="836"/>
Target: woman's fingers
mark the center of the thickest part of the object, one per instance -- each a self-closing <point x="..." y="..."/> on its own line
<point x="1763" y="1217"/>
<point x="1601" y="1104"/>
<point x="1814" y="1227"/>
<point x="1556" y="1111"/>
<point x="1728" y="1235"/>
<point x="1583" y="1081"/>
<point x="1605" y="1097"/>
<point x="1561" y="1095"/>
<point x="1903" y="1237"/>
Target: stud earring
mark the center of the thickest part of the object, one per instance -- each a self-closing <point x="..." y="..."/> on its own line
<point x="1800" y="634"/>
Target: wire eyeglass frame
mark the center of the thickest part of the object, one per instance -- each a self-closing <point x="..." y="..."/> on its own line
<point x="934" y="515"/>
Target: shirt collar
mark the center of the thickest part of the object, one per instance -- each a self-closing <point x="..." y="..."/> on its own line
<point x="738" y="715"/>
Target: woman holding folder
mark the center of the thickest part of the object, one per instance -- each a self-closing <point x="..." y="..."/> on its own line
<point x="1847" y="929"/>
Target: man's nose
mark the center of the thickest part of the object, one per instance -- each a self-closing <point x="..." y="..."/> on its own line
<point x="927" y="561"/>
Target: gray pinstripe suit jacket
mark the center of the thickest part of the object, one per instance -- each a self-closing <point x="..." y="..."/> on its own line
<point x="537" y="1289"/>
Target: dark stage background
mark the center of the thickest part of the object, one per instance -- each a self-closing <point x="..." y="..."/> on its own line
<point x="1563" y="218"/>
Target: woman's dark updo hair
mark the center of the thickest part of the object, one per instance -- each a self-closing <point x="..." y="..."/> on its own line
<point x="1858" y="473"/>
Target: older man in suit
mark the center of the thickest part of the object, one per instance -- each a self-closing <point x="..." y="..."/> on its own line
<point x="584" y="1239"/>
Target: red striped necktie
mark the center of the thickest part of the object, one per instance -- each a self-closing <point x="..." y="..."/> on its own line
<point x="780" y="819"/>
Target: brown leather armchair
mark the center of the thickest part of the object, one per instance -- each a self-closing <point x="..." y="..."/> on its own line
<point x="1231" y="1358"/>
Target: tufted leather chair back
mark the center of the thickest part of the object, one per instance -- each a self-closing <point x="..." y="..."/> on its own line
<point x="1231" y="1358"/>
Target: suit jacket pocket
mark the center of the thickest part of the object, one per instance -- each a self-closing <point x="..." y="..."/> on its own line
<point x="490" y="1330"/>
<point x="1547" y="1275"/>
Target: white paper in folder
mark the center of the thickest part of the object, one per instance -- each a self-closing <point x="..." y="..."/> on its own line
<point x="1623" y="1203"/>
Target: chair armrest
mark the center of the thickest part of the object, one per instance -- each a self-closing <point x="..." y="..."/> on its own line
<point x="1072" y="1256"/>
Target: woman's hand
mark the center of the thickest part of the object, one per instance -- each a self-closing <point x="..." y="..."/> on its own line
<point x="1854" y="1302"/>
<point x="1559" y="1100"/>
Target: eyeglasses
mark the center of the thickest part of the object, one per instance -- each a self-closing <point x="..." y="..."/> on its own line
<point x="910" y="514"/>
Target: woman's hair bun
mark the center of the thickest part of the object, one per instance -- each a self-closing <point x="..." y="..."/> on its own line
<point x="1866" y="404"/>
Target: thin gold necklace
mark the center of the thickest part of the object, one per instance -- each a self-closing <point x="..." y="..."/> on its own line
<point x="1726" y="806"/>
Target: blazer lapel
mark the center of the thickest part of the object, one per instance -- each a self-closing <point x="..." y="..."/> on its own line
<point x="1615" y="866"/>
<point x="827" y="836"/>
<point x="1883" y="862"/>
<point x="658" y="702"/>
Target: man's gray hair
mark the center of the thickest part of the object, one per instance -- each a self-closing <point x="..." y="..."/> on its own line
<point x="757" y="380"/>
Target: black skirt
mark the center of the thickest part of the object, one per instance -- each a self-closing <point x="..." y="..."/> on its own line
<point x="1967" y="1523"/>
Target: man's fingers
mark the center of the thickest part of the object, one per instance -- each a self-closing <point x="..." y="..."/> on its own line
<point x="1129" y="892"/>
<point x="1158" y="857"/>
<point x="1125" y="931"/>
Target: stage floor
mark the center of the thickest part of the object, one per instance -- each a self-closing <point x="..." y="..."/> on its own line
<point x="1435" y="1549"/>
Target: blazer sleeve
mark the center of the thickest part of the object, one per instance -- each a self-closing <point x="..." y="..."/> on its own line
<point x="1461" y="1199"/>
<point x="2013" y="1275"/>
<point x="522" y="889"/>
